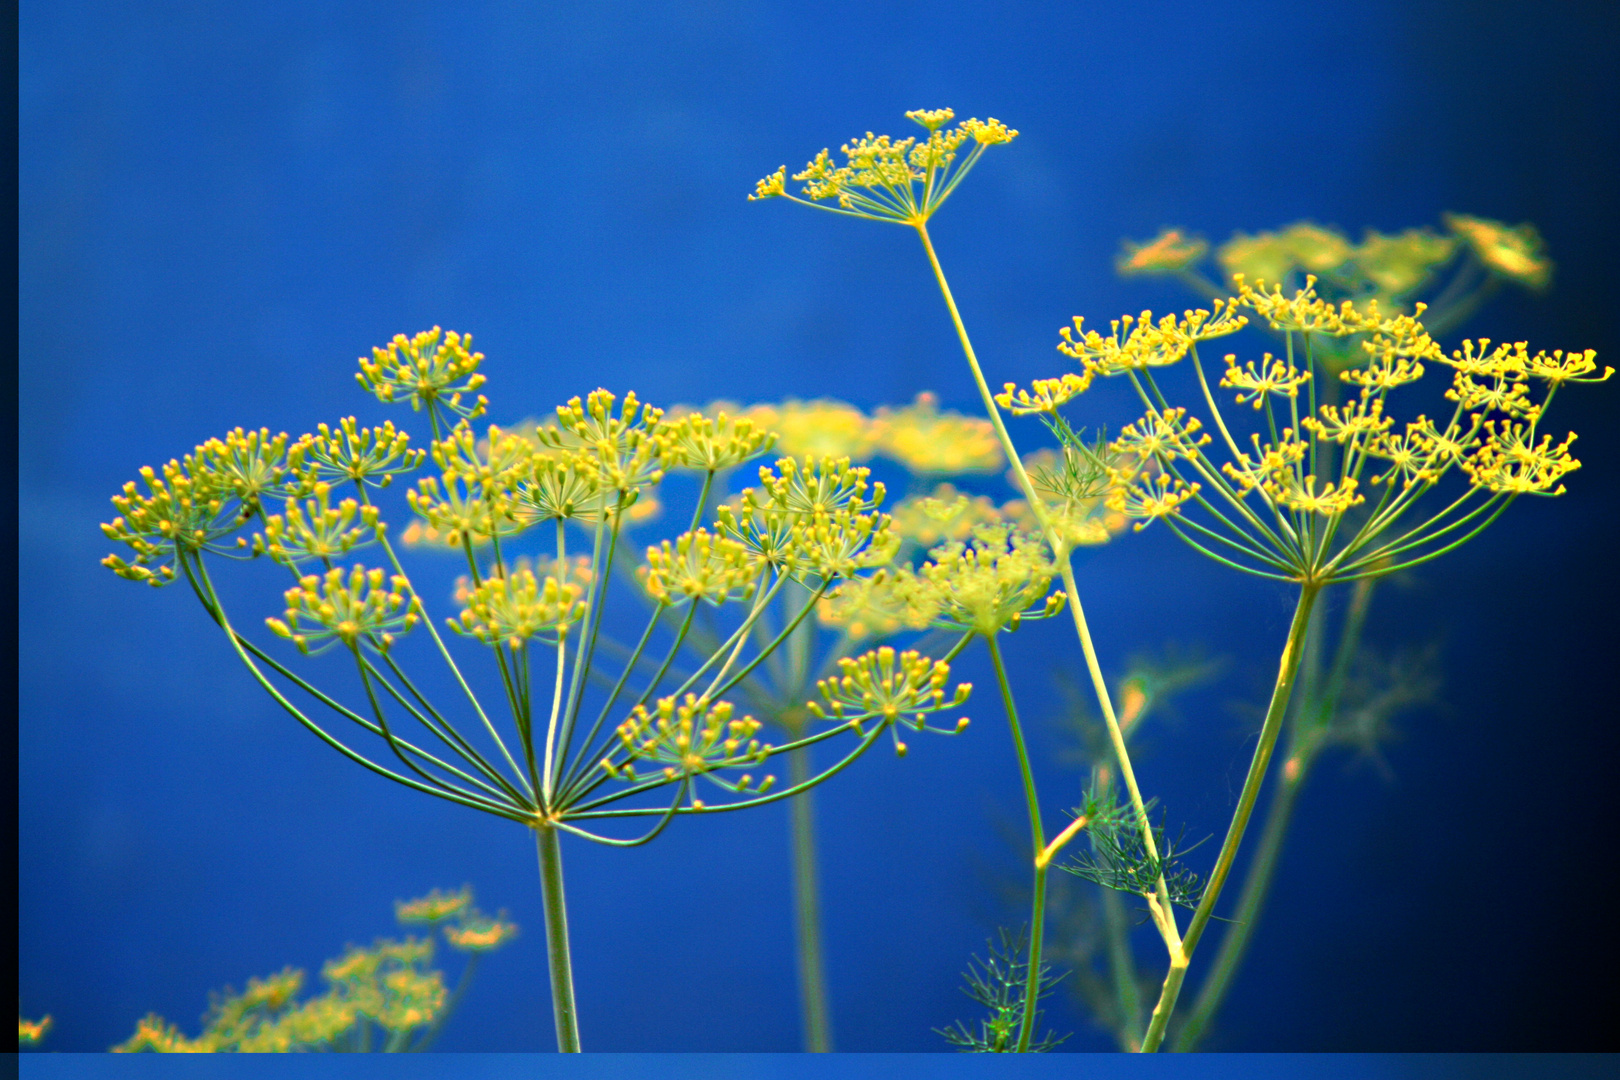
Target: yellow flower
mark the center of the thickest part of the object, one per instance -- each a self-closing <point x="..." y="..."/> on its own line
<point x="699" y="565"/>
<point x="513" y="608"/>
<point x="817" y="429"/>
<point x="1273" y="377"/>
<point x="686" y="737"/>
<point x="888" y="687"/>
<point x="436" y="906"/>
<point x="363" y="609"/>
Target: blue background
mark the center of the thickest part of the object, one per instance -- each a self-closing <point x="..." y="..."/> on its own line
<point x="222" y="205"/>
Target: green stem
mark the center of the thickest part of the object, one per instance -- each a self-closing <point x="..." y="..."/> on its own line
<point x="807" y="909"/>
<point x="460" y="992"/>
<point x="1304" y="744"/>
<point x="1255" y="886"/>
<point x="1288" y="668"/>
<point x="1037" y="914"/>
<point x="1122" y="971"/>
<point x="562" y="969"/>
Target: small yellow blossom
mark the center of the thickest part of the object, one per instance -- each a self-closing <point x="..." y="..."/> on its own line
<point x="434" y="368"/>
<point x="363" y="608"/>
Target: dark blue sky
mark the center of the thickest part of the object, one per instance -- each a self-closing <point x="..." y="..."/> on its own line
<point x="222" y="205"/>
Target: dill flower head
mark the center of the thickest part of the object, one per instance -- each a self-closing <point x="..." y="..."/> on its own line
<point x="435" y="907"/>
<point x="479" y="933"/>
<point x="386" y="983"/>
<point x="686" y="737"/>
<point x="870" y="606"/>
<point x="890" y="688"/>
<point x="1514" y="252"/>
<point x="623" y="450"/>
<point x="925" y="440"/>
<point x="812" y="518"/>
<point x="192" y="507"/>
<point x="1273" y="256"/>
<point x="985" y="584"/>
<point x="1309" y="496"/>
<point x="1399" y="264"/>
<point x="889" y="179"/>
<point x="511" y="608"/>
<point x="699" y="565"/>
<point x="363" y="608"/>
<point x="351" y="452"/>
<point x="943" y="514"/>
<point x="821" y="428"/>
<point x="723" y="441"/>
<point x="433" y="368"/>
<point x="317" y="530"/>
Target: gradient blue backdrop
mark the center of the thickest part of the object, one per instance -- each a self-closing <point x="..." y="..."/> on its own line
<point x="223" y="205"/>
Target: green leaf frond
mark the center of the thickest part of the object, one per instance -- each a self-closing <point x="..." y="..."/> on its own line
<point x="998" y="982"/>
<point x="1119" y="860"/>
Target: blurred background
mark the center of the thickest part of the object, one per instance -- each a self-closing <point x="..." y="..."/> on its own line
<point x="222" y="206"/>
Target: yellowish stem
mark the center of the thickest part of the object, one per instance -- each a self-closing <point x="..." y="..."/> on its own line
<point x="1060" y="551"/>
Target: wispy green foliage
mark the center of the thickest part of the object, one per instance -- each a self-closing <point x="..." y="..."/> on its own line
<point x="999" y="982"/>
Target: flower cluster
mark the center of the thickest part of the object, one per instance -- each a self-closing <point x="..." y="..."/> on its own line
<point x="513" y="607"/>
<point x="983" y="585"/>
<point x="700" y="565"/>
<point x="1317" y="458"/>
<point x="810" y="518"/>
<point x="432" y="369"/>
<point x="889" y="179"/>
<point x="685" y="737"/>
<point x="365" y="608"/>
<point x="927" y="441"/>
<point x="889" y="687"/>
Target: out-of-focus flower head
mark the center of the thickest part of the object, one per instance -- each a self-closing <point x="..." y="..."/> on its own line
<point x="1170" y="252"/>
<point x="821" y="428"/>
<point x="928" y="441"/>
<point x="1515" y="252"/>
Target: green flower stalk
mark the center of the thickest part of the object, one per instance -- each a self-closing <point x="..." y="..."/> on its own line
<point x="659" y="745"/>
<point x="904" y="181"/>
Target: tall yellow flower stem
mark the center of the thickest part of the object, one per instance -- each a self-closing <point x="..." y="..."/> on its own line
<point x="1060" y="550"/>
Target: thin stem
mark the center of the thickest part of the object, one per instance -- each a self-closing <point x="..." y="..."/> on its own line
<point x="807" y="911"/>
<point x="1037" y="835"/>
<point x="456" y="995"/>
<point x="1288" y="668"/>
<point x="1061" y="551"/>
<point x="1256" y="884"/>
<point x="561" y="966"/>
<point x="1303" y="745"/>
